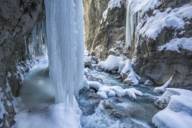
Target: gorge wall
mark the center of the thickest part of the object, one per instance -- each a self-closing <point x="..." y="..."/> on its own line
<point x="17" y="19"/>
<point x="104" y="26"/>
<point x="158" y="36"/>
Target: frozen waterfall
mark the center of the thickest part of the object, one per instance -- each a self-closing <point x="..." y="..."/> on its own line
<point x="65" y="50"/>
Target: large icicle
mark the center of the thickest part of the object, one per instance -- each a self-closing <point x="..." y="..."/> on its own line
<point x="65" y="50"/>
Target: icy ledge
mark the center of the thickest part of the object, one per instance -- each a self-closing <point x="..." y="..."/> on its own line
<point x="178" y="113"/>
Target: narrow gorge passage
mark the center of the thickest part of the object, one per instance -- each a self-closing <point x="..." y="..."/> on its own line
<point x="95" y="64"/>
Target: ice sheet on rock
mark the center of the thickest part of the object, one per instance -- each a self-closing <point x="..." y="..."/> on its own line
<point x="171" y="19"/>
<point x="178" y="113"/>
<point x="177" y="44"/>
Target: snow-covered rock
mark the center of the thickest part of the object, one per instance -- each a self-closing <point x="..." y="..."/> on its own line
<point x="171" y="19"/>
<point x="111" y="63"/>
<point x="124" y="67"/>
<point x="111" y="91"/>
<point x="178" y="113"/>
<point x="177" y="44"/>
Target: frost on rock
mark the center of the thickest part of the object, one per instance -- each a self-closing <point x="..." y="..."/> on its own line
<point x="178" y="113"/>
<point x="112" y="4"/>
<point x="177" y="44"/>
<point x="171" y="19"/>
<point x="111" y="91"/>
<point x="164" y="86"/>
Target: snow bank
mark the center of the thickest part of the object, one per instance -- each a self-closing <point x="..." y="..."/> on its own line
<point x="178" y="113"/>
<point x="111" y="91"/>
<point x="172" y="19"/>
<point x="177" y="44"/>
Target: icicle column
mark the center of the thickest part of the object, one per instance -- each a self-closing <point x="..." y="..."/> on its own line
<point x="65" y="47"/>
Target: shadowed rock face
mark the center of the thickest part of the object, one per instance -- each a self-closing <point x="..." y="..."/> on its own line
<point x="102" y="34"/>
<point x="17" y="18"/>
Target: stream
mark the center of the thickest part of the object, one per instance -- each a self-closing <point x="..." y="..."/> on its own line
<point x="36" y="106"/>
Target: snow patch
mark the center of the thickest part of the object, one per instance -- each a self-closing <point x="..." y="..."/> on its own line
<point x="177" y="44"/>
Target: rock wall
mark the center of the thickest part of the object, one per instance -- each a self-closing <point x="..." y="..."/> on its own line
<point x="104" y="26"/>
<point x="161" y="40"/>
<point x="157" y="36"/>
<point x="17" y="18"/>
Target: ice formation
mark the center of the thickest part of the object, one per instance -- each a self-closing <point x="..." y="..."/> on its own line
<point x="65" y="50"/>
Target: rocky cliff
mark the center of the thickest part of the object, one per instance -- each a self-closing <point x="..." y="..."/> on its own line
<point x="104" y="26"/>
<point x="17" y="18"/>
<point x="157" y="38"/>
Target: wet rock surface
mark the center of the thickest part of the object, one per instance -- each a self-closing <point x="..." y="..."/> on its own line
<point x="17" y="18"/>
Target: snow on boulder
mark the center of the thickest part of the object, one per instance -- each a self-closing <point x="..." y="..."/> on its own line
<point x="177" y="44"/>
<point x="111" y="91"/>
<point x="94" y="84"/>
<point x="178" y="113"/>
<point x="111" y="63"/>
<point x="132" y="77"/>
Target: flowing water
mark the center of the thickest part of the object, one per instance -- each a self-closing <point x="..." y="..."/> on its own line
<point x="37" y="107"/>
